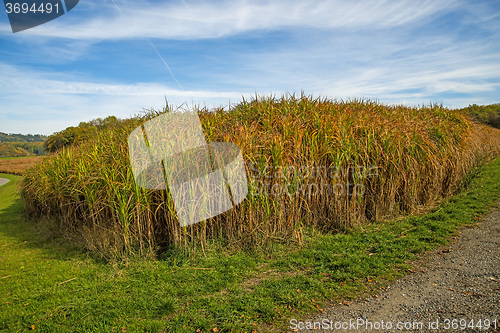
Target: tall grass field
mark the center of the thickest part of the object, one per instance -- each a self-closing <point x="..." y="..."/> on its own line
<point x="312" y="164"/>
<point x="18" y="165"/>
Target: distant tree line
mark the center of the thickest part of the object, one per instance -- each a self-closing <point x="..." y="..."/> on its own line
<point x="18" y="145"/>
<point x="486" y="114"/>
<point x="74" y="135"/>
<point x="19" y="149"/>
<point x="4" y="137"/>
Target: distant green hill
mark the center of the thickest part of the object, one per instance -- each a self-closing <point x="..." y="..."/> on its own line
<point x="8" y="150"/>
<point x="4" y="137"/>
<point x="19" y="149"/>
<point x="17" y="145"/>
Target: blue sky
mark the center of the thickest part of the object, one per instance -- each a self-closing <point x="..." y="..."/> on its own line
<point x="118" y="57"/>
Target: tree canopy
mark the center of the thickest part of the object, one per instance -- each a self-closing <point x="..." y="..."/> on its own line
<point x="74" y="135"/>
<point x="486" y="114"/>
<point x="4" y="137"/>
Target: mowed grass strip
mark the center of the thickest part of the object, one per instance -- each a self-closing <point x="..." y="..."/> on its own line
<point x="18" y="165"/>
<point x="50" y="286"/>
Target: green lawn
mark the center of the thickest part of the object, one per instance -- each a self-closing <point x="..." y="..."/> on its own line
<point x="49" y="286"/>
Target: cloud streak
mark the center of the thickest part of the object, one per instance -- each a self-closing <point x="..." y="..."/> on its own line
<point x="49" y="100"/>
<point x="96" y="61"/>
<point x="215" y="19"/>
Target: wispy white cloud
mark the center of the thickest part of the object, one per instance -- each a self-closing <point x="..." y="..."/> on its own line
<point x="38" y="102"/>
<point x="212" y="19"/>
<point x="390" y="67"/>
<point x="403" y="51"/>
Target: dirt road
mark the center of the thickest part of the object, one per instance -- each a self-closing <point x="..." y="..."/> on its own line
<point x="459" y="282"/>
<point x="3" y="181"/>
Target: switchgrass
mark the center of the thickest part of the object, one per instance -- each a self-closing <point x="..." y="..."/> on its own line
<point x="312" y="164"/>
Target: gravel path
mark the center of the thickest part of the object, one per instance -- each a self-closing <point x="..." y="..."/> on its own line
<point x="460" y="281"/>
<point x="3" y="181"/>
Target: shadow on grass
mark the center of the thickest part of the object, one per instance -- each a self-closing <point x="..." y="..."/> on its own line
<point x="31" y="234"/>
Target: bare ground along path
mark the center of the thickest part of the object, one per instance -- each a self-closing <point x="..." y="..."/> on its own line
<point x="3" y="181"/>
<point x="460" y="281"/>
